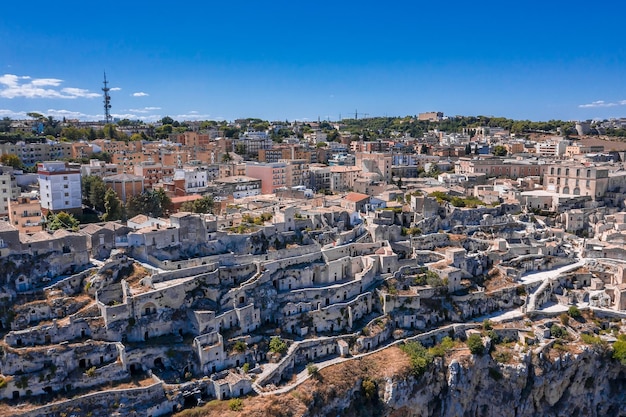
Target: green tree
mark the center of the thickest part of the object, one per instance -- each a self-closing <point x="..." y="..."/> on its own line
<point x="5" y="124"/>
<point x="499" y="150"/>
<point x="110" y="131"/>
<point x="87" y="183"/>
<point x="468" y="149"/>
<point x="201" y="205"/>
<point x="12" y="160"/>
<point x="419" y="357"/>
<point x="114" y="209"/>
<point x="619" y="349"/>
<point x="97" y="193"/>
<point x="154" y="203"/>
<point x="574" y="312"/>
<point x="278" y="345"/>
<point x="475" y="344"/>
<point x="62" y="220"/>
<point x="72" y="134"/>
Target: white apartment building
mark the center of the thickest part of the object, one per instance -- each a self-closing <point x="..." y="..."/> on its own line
<point x="59" y="187"/>
<point x="8" y="189"/>
<point x="195" y="179"/>
<point x="552" y="148"/>
<point x="99" y="168"/>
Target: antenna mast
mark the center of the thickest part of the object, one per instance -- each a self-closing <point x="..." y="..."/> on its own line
<point x="107" y="100"/>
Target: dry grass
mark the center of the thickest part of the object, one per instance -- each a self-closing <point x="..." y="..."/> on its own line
<point x="7" y="410"/>
<point x="333" y="381"/>
<point x="136" y="275"/>
<point x="497" y="281"/>
<point x="609" y="145"/>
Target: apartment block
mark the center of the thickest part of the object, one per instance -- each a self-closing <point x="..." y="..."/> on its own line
<point x="577" y="180"/>
<point x="273" y="176"/>
<point x="8" y="189"/>
<point x="59" y="187"/>
<point x="153" y="173"/>
<point x="31" y="153"/>
<point x="238" y="186"/>
<point x="98" y="168"/>
<point x="496" y="167"/>
<point x="25" y="214"/>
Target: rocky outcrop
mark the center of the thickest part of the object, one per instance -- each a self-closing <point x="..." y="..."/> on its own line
<point x="584" y="384"/>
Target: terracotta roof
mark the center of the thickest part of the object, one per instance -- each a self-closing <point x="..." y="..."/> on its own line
<point x="140" y="218"/>
<point x="356" y="197"/>
<point x="185" y="198"/>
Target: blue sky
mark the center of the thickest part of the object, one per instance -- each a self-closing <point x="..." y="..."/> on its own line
<point x="302" y="60"/>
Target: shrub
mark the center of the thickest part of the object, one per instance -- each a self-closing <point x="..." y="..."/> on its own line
<point x="3" y="382"/>
<point x="312" y="369"/>
<point x="235" y="404"/>
<point x="487" y="324"/>
<point x="245" y="368"/>
<point x="574" y="312"/>
<point x="369" y="388"/>
<point x="278" y="345"/>
<point x="564" y="319"/>
<point x="591" y="339"/>
<point x="619" y="350"/>
<point x="419" y="357"/>
<point x="442" y="348"/>
<point x="240" y="346"/>
<point x="495" y="339"/>
<point x="557" y="331"/>
<point x="475" y="344"/>
<point x="502" y="356"/>
<point x="91" y="372"/>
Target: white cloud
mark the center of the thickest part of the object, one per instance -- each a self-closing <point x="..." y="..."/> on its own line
<point x="116" y="89"/>
<point x="140" y="94"/>
<point x="193" y="115"/>
<point x="13" y="114"/>
<point x="602" y="103"/>
<point x="79" y="92"/>
<point x="145" y="109"/>
<point x="46" y="82"/>
<point x="70" y="114"/>
<point x="13" y="86"/>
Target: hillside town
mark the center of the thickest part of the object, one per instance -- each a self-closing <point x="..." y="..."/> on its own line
<point x="159" y="267"/>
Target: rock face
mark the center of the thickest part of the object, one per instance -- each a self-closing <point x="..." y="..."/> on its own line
<point x="586" y="384"/>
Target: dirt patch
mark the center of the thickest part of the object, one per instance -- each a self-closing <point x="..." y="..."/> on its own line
<point x="609" y="144"/>
<point x="333" y="381"/>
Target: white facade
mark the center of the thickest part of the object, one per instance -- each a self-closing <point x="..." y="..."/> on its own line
<point x="552" y="148"/>
<point x="195" y="179"/>
<point x="59" y="187"/>
<point x="8" y="190"/>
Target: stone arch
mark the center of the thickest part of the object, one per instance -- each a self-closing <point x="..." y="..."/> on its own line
<point x="148" y="308"/>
